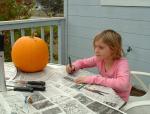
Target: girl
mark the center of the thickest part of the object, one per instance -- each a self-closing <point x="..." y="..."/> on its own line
<point x="112" y="66"/>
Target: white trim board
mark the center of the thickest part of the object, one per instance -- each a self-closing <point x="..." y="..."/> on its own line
<point x="143" y="3"/>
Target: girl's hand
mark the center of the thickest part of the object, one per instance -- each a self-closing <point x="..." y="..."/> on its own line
<point x="80" y="79"/>
<point x="69" y="69"/>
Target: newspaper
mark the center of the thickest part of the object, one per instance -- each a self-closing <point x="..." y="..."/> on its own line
<point x="57" y="99"/>
<point x="62" y="96"/>
<point x="108" y="95"/>
<point x="10" y="70"/>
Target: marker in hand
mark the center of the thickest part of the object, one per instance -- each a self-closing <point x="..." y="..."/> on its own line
<point x="70" y="61"/>
<point x="70" y="68"/>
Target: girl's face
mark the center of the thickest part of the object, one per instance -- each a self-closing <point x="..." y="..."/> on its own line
<point x="102" y="50"/>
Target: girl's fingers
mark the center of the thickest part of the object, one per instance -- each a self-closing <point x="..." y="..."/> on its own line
<point x="70" y="69"/>
<point x="67" y="69"/>
<point x="78" y="81"/>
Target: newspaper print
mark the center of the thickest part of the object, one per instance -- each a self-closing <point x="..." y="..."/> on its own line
<point x="108" y="96"/>
<point x="62" y="96"/>
<point x="60" y="103"/>
<point x="10" y="70"/>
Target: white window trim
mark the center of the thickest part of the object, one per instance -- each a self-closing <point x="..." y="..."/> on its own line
<point x="126" y="2"/>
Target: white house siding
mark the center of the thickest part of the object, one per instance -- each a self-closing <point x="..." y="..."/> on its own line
<point x="87" y="17"/>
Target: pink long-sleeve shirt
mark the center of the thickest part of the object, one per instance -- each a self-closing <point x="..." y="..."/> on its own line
<point x="118" y="77"/>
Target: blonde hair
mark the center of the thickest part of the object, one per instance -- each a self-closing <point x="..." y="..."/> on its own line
<point x="113" y="40"/>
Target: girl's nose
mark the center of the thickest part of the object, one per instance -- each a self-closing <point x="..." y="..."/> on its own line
<point x="96" y="50"/>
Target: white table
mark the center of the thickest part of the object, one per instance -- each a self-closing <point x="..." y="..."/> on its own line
<point x="62" y="96"/>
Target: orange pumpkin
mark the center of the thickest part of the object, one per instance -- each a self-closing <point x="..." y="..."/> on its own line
<point x="30" y="54"/>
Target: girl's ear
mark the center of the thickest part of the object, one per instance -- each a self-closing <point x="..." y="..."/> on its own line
<point x="113" y="53"/>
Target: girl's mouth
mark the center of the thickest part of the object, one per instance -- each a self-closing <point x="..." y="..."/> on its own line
<point x="98" y="55"/>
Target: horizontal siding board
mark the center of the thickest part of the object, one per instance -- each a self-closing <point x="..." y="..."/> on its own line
<point x="137" y="43"/>
<point x="133" y="40"/>
<point x="80" y="47"/>
<point x="136" y="27"/>
<point x="139" y="55"/>
<point x="139" y="65"/>
<point x="83" y="2"/>
<point x="82" y="31"/>
<point x="90" y="32"/>
<point x="143" y="3"/>
<point x="79" y="52"/>
<point x="125" y="13"/>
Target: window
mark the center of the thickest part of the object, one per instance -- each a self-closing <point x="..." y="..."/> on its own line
<point x="126" y="2"/>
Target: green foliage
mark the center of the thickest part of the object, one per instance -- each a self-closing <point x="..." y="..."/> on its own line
<point x="7" y="46"/>
<point x="11" y="10"/>
<point x="52" y="7"/>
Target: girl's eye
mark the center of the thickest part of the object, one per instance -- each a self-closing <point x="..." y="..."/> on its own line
<point x="100" y="47"/>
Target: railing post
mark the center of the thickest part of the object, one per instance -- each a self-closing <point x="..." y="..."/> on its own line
<point x="61" y="43"/>
<point x="22" y="32"/>
<point x="12" y="37"/>
<point x="42" y="32"/>
<point x="66" y="30"/>
<point x="51" y="43"/>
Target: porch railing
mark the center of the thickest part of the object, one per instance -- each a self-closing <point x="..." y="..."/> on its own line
<point x="39" y="22"/>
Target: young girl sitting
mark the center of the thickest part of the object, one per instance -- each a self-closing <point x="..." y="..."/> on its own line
<point x="113" y="67"/>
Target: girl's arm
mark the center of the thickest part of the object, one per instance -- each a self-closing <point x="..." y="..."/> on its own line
<point x="85" y="63"/>
<point x="121" y="82"/>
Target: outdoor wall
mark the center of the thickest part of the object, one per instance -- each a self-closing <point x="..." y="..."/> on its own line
<point x="85" y="18"/>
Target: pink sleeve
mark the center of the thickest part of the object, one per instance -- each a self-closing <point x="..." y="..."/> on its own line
<point x="121" y="82"/>
<point x="85" y="63"/>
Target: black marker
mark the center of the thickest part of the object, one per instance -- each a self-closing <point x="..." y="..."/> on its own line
<point x="70" y="61"/>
